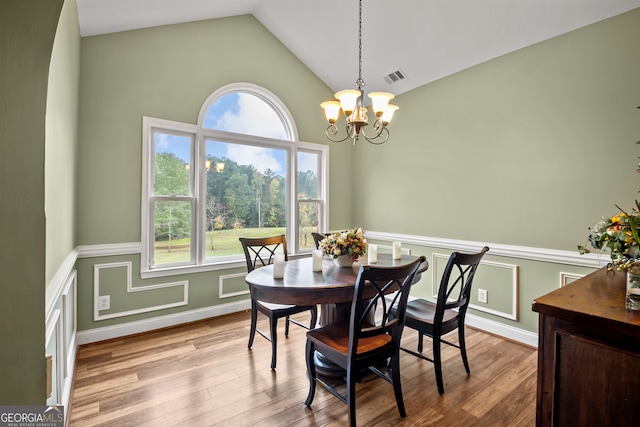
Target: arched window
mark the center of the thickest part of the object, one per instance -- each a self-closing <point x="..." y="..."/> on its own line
<point x="241" y="171"/>
<point x="249" y="110"/>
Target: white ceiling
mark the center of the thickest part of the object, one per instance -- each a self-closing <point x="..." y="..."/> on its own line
<point x="426" y="39"/>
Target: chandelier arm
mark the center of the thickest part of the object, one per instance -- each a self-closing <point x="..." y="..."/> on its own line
<point x="381" y="136"/>
<point x="377" y="127"/>
<point x="332" y="130"/>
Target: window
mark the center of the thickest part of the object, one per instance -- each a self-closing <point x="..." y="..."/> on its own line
<point x="309" y="198"/>
<point x="239" y="172"/>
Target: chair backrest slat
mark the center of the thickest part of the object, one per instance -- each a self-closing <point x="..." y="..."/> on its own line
<point x="455" y="285"/>
<point x="260" y="251"/>
<point x="370" y="309"/>
<point x="317" y="238"/>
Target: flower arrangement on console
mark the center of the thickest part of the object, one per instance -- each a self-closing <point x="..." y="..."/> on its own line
<point x="346" y="242"/>
<point x="619" y="234"/>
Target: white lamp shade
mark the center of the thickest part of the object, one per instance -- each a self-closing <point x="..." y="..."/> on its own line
<point x="388" y="113"/>
<point x="331" y="110"/>
<point x="348" y="99"/>
<point x="379" y="102"/>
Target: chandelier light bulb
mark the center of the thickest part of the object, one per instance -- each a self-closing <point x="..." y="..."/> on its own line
<point x="331" y="110"/>
<point x="379" y="102"/>
<point x="348" y="99"/>
<point x="388" y="114"/>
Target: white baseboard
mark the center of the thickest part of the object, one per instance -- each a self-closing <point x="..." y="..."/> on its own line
<point x="506" y="331"/>
<point x="116" y="331"/>
<point x="130" y="328"/>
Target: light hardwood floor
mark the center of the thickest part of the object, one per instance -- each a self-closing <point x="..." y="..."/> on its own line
<point x="202" y="374"/>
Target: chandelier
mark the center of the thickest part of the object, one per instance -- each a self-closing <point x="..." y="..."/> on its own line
<point x="351" y="103"/>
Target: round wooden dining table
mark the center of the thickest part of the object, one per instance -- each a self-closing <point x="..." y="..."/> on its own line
<point x="332" y="287"/>
<point x="302" y="286"/>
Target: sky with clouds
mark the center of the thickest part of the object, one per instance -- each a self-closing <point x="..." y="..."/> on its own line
<point x="241" y="113"/>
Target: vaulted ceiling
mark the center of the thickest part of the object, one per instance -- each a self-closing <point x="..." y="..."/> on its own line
<point x="424" y="39"/>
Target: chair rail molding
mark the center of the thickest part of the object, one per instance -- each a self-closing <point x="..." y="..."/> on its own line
<point x="497" y="249"/>
<point x="89" y="251"/>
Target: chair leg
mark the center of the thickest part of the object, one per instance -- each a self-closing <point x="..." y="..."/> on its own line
<point x="420" y="341"/>
<point x="314" y="317"/>
<point x="397" y="387"/>
<point x="286" y="326"/>
<point x="273" y="323"/>
<point x="351" y="396"/>
<point x="311" y="372"/>
<point x="463" y="348"/>
<point x="254" y="320"/>
<point x="437" y="362"/>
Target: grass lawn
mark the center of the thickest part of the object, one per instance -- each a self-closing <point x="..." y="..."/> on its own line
<point x="220" y="243"/>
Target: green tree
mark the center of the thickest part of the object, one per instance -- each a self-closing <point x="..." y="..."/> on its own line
<point x="258" y="188"/>
<point x="238" y="196"/>
<point x="277" y="199"/>
<point x="171" y="178"/>
<point x="214" y="217"/>
<point x="307" y="184"/>
<point x="172" y="221"/>
<point x="308" y="219"/>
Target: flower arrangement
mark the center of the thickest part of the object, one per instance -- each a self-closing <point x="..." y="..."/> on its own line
<point x="619" y="234"/>
<point x="346" y="242"/>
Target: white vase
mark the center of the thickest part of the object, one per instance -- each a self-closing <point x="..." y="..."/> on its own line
<point x="343" y="261"/>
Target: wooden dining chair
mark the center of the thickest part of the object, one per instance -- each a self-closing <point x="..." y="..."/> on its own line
<point x="448" y="312"/>
<point x="258" y="253"/>
<point x="317" y="237"/>
<point x="370" y="339"/>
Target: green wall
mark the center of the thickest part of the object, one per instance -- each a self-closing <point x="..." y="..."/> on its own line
<point x="528" y="149"/>
<point x="61" y="136"/>
<point x="27" y="30"/>
<point x="540" y="140"/>
<point x="168" y="72"/>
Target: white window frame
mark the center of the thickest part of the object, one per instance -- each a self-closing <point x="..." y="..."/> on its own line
<point x="292" y="146"/>
<point x="323" y="170"/>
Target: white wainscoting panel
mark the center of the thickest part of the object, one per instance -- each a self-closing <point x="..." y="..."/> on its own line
<point x="566" y="278"/>
<point x="222" y="294"/>
<point x="512" y="314"/>
<point x="130" y="289"/>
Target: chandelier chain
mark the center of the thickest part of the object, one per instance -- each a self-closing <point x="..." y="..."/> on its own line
<point x="360" y="82"/>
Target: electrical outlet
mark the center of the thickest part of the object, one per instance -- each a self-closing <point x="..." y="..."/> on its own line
<point x="104" y="302"/>
<point x="482" y="295"/>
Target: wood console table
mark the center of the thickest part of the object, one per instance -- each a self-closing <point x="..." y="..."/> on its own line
<point x="588" y="354"/>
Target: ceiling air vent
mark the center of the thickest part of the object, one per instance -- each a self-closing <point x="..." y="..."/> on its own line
<point x="395" y="77"/>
